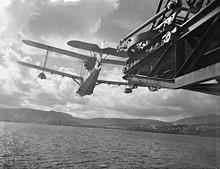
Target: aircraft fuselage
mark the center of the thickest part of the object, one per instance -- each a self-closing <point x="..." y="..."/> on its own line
<point x="87" y="87"/>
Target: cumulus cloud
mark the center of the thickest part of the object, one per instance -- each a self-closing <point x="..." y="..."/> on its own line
<point x="3" y="16"/>
<point x="128" y="16"/>
<point x="56" y="22"/>
<point x="164" y="105"/>
<point x="41" y="19"/>
<point x="9" y="74"/>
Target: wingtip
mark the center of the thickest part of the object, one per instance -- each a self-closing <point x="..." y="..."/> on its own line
<point x="25" y="41"/>
<point x="20" y="62"/>
<point x="68" y="43"/>
<point x="72" y="42"/>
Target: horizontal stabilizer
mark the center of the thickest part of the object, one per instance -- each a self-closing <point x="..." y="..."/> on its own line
<point x="51" y="71"/>
<point x="95" y="48"/>
<point x="84" y="45"/>
<point x="113" y="52"/>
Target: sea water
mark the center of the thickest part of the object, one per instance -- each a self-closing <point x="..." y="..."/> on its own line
<point x="49" y="146"/>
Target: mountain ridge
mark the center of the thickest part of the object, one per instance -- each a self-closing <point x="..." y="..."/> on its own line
<point x="199" y="125"/>
<point x="212" y="119"/>
<point x="34" y="115"/>
<point x="37" y="116"/>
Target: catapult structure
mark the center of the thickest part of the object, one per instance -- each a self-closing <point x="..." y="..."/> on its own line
<point x="178" y="48"/>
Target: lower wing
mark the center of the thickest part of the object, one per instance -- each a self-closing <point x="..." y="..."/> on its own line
<point x="74" y="77"/>
<point x="112" y="82"/>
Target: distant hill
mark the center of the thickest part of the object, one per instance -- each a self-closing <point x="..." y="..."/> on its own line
<point x="123" y="123"/>
<point x="58" y="118"/>
<point x="37" y="116"/>
<point x="200" y="120"/>
<point x="201" y="125"/>
<point x="53" y="117"/>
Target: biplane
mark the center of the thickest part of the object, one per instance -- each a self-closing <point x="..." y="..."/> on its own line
<point x="91" y="63"/>
<point x="178" y="48"/>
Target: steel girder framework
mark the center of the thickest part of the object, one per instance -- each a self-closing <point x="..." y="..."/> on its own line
<point x="189" y="58"/>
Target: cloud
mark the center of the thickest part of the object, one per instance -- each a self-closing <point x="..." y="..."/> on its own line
<point x="10" y="100"/>
<point x="128" y="16"/>
<point x="3" y="18"/>
<point x="163" y="105"/>
<point x="40" y="19"/>
<point x="9" y="74"/>
<point x="57" y="22"/>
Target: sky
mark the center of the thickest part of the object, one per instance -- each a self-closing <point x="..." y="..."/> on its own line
<point x="55" y="22"/>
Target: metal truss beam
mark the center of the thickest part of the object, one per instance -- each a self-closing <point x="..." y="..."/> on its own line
<point x="218" y="79"/>
<point x="179" y="54"/>
<point x="203" y="16"/>
<point x="200" y="49"/>
<point x="201" y="75"/>
<point x="147" y="59"/>
<point x="145" y="81"/>
<point x="191" y="41"/>
<point x="193" y="78"/>
<point x="160" y="62"/>
<point x="209" y="58"/>
<point x="213" y="89"/>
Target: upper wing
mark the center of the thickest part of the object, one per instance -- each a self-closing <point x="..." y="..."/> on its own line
<point x="51" y="71"/>
<point x="54" y="49"/>
<point x="84" y="45"/>
<point x="95" y="48"/>
<point x="112" y="82"/>
<point x="69" y="53"/>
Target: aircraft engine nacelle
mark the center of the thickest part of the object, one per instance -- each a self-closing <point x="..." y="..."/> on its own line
<point x="90" y="63"/>
<point x="42" y="76"/>
<point x="128" y="90"/>
<point x="152" y="88"/>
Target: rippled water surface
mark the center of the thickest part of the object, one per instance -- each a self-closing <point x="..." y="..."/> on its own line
<point x="45" y="146"/>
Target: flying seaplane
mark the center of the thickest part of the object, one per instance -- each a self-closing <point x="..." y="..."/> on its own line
<point x="92" y="63"/>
